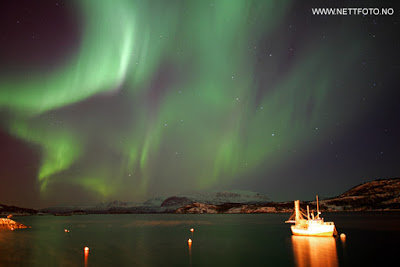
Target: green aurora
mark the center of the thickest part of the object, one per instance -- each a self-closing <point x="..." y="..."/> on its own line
<point x="201" y="101"/>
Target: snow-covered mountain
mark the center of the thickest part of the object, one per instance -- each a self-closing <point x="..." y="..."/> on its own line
<point x="167" y="204"/>
<point x="216" y="198"/>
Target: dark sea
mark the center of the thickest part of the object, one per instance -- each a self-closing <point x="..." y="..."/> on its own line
<point x="372" y="239"/>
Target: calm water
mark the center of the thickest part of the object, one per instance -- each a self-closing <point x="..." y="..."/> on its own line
<point x="218" y="240"/>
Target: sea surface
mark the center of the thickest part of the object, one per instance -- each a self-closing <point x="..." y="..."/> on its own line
<point x="372" y="239"/>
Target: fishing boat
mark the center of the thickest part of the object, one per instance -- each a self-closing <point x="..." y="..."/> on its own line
<point x="307" y="224"/>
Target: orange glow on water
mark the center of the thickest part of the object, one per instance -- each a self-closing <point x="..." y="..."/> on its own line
<point x="190" y="246"/>
<point x="190" y="251"/>
<point x="314" y="251"/>
<point x="86" y="252"/>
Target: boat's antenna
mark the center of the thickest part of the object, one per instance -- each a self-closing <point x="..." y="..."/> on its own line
<point x="317" y="208"/>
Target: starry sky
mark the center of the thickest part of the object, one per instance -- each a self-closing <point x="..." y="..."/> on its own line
<point x="132" y="99"/>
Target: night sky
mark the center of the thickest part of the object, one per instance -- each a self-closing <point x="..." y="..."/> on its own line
<point x="127" y="100"/>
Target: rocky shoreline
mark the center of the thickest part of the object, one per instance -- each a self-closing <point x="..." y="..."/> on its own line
<point x="8" y="224"/>
<point x="233" y="208"/>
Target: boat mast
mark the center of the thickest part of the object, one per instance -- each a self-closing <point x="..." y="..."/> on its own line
<point x="308" y="212"/>
<point x="297" y="210"/>
<point x="317" y="208"/>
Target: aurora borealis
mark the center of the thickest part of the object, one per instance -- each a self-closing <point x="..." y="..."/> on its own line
<point x="124" y="99"/>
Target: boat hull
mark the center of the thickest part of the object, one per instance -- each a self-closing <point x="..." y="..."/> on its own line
<point x="320" y="230"/>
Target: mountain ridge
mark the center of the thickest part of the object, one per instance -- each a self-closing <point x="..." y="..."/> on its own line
<point x="380" y="194"/>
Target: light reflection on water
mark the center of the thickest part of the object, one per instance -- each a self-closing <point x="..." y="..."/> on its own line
<point x="314" y="251"/>
<point x="86" y="257"/>
<point x="190" y="253"/>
